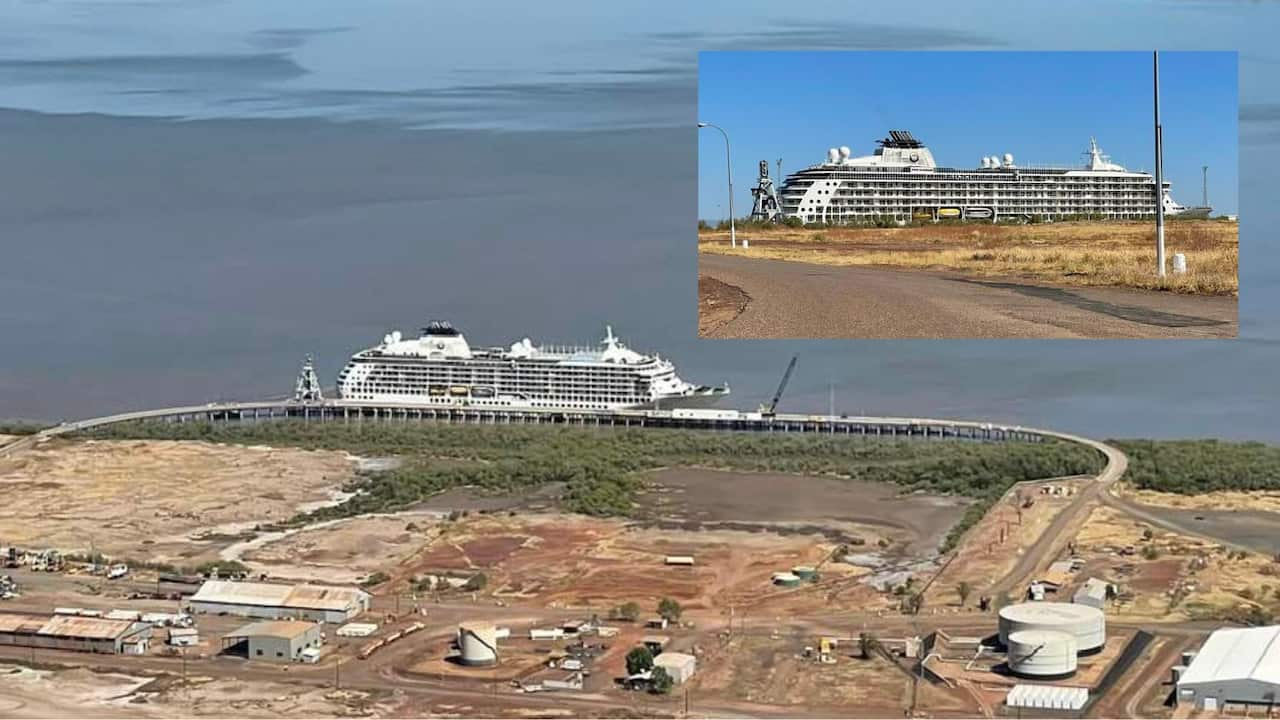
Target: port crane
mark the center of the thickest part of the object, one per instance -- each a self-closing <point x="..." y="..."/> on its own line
<point x="770" y="409"/>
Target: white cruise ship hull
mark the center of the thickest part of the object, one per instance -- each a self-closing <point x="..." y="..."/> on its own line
<point x="440" y="369"/>
<point x="703" y="398"/>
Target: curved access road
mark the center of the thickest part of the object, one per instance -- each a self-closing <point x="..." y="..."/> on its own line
<point x="804" y="300"/>
<point x="1068" y="522"/>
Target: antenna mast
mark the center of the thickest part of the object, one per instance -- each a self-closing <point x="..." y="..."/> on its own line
<point x="1205" y="202"/>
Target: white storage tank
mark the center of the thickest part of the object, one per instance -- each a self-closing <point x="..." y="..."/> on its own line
<point x="478" y="643"/>
<point x="1042" y="654"/>
<point x="1086" y="624"/>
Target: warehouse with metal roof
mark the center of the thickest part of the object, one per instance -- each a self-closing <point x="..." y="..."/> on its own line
<point x="280" y="602"/>
<point x="68" y="632"/>
<point x="273" y="640"/>
<point x="1236" y="665"/>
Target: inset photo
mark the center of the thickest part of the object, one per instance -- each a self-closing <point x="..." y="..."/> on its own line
<point x="968" y="195"/>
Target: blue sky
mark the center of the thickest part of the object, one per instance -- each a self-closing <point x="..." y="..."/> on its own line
<point x="1040" y="106"/>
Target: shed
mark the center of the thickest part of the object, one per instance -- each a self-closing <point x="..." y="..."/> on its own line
<point x="273" y="640"/>
<point x="273" y="601"/>
<point x="70" y="632"/>
<point x="1047" y="697"/>
<point x="357" y="629"/>
<point x="1094" y="593"/>
<point x="685" y="560"/>
<point x="184" y="637"/>
<point x="655" y="643"/>
<point x="679" y="666"/>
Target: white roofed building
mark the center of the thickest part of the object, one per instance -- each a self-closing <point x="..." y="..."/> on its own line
<point x="1235" y="665"/>
<point x="278" y="602"/>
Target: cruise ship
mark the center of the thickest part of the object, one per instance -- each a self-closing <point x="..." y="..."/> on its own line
<point x="439" y="367"/>
<point x="901" y="181"/>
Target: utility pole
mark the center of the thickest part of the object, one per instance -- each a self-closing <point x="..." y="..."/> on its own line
<point x="1159" y="170"/>
<point x="1205" y="199"/>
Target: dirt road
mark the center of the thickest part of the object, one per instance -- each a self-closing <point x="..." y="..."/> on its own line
<point x="802" y="300"/>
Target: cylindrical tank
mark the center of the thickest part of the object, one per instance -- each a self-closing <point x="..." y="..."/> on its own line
<point x="1043" y="654"/>
<point x="1086" y="624"/>
<point x="805" y="572"/>
<point x="786" y="579"/>
<point x="478" y="643"/>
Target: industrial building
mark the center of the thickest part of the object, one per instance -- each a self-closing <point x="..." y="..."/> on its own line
<point x="477" y="643"/>
<point x="280" y="602"/>
<point x="1042" y="654"/>
<point x="184" y="637"/>
<point x="69" y="632"/>
<point x="1086" y="624"/>
<point x="273" y="640"/>
<point x="1237" y="665"/>
<point x="678" y="665"/>
<point x="1094" y="593"/>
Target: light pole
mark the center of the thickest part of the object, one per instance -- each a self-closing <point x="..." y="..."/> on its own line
<point x="1155" y="66"/>
<point x="733" y="235"/>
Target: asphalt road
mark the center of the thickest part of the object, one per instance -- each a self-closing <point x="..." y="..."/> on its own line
<point x="803" y="300"/>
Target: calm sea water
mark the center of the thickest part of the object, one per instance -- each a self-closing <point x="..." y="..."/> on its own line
<point x="183" y="218"/>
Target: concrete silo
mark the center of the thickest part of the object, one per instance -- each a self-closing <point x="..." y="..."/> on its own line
<point x="1042" y="654"/>
<point x="1086" y="624"/>
<point x="478" y="643"/>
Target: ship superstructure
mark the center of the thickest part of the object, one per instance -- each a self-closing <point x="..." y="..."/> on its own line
<point x="901" y="181"/>
<point x="439" y="367"/>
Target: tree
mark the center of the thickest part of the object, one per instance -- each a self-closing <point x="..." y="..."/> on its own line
<point x="964" y="589"/>
<point x="476" y="582"/>
<point x="867" y="644"/>
<point x="660" y="681"/>
<point x="912" y="603"/>
<point x="627" y="611"/>
<point x="669" y="609"/>
<point x="639" y="660"/>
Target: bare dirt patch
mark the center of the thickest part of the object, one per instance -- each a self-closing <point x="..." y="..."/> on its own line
<point x="718" y="303"/>
<point x="148" y="498"/>
<point x="1073" y="253"/>
<point x="345" y="551"/>
<point x="770" y="670"/>
<point x="1166" y="576"/>
<point x="561" y="561"/>
<point x="840" y="508"/>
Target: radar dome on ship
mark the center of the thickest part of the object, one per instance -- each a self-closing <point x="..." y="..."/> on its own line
<point x="833" y="155"/>
<point x="986" y="162"/>
<point x="844" y="152"/>
<point x="1008" y="159"/>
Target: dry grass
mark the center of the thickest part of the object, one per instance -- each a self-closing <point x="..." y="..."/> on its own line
<point x="1119" y="254"/>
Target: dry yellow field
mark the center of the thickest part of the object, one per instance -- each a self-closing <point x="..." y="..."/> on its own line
<point x="1267" y="501"/>
<point x="148" y="498"/>
<point x="1183" y="578"/>
<point x="1120" y="254"/>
